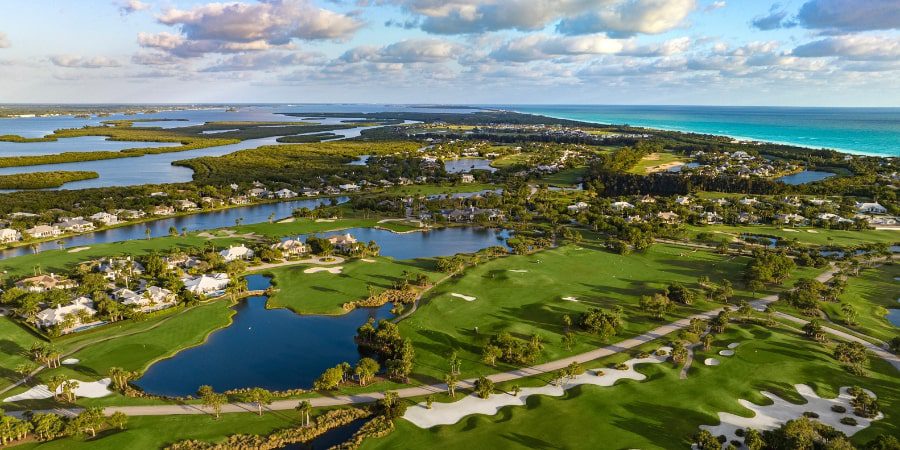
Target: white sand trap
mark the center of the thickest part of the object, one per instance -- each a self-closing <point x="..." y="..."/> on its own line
<point x="772" y="416"/>
<point x="334" y="270"/>
<point x="570" y="299"/>
<point x="78" y="249"/>
<point x="726" y="352"/>
<point x="812" y="231"/>
<point x="450" y="413"/>
<point x="70" y="361"/>
<point x="789" y="230"/>
<point x="711" y="362"/>
<point x="734" y="345"/>
<point x="367" y="260"/>
<point x="95" y="389"/>
<point x="464" y="297"/>
<point x="324" y="220"/>
<point x="518" y="270"/>
<point x="288" y="220"/>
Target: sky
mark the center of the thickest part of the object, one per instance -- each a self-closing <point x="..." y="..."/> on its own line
<point x="705" y="52"/>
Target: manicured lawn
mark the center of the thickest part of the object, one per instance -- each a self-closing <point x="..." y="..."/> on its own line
<point x="871" y="294"/>
<point x="565" y="178"/>
<point x="511" y="160"/>
<point x="663" y="411"/>
<point x="435" y="189"/>
<point x="532" y="302"/>
<point x="650" y="162"/>
<point x="324" y="293"/>
<point x="14" y="344"/>
<point x="804" y="236"/>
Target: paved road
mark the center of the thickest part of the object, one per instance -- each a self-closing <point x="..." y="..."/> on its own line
<point x="418" y="391"/>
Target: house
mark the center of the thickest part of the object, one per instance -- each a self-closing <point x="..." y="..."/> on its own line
<point x="343" y="242"/>
<point x="153" y="298"/>
<point x="749" y="201"/>
<point x="291" y="247"/>
<point x="81" y="306"/>
<point x="8" y="235"/>
<point x="236" y="253"/>
<point x="43" y="283"/>
<point x="211" y="201"/>
<point x="181" y="260"/>
<point x="467" y="178"/>
<point x="667" y="217"/>
<point x="104" y="218"/>
<point x="185" y="205"/>
<point x="472" y="213"/>
<point x="206" y="284"/>
<point x="710" y="218"/>
<point x="309" y="192"/>
<point x="159" y="194"/>
<point x="348" y="187"/>
<point x="74" y="225"/>
<point x="239" y="200"/>
<point x="43" y="231"/>
<point x="284" y="193"/>
<point x="620" y="206"/>
<point x="683" y="201"/>
<point x="790" y="218"/>
<point x="130" y="214"/>
<point x="577" y="208"/>
<point x="331" y="190"/>
<point x="120" y="268"/>
<point x="870" y="208"/>
<point x="648" y="199"/>
<point x="829" y="217"/>
<point x="163" y="210"/>
<point x="258" y="192"/>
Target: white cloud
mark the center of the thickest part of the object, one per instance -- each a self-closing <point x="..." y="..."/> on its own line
<point x="853" y="48"/>
<point x="540" y="46"/>
<point x="407" y="51"/>
<point x="127" y="7"/>
<point x="72" y="61"/>
<point x="264" y="61"/>
<point x="667" y="48"/>
<point x="718" y="4"/>
<point x="629" y="17"/>
<point x="4" y="41"/>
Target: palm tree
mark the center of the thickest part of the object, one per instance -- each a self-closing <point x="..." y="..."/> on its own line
<point x="451" y="381"/>
<point x="303" y="408"/>
<point x="147" y="232"/>
<point x="61" y="243"/>
<point x="849" y="313"/>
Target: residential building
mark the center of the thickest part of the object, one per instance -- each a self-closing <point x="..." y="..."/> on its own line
<point x="343" y="242"/>
<point x="43" y="231"/>
<point x="74" y="225"/>
<point x="467" y="178"/>
<point x="185" y="205"/>
<point x="291" y="247"/>
<point x="43" y="283"/>
<point x="284" y="193"/>
<point x="8" y="235"/>
<point x="81" y="306"/>
<point x="104" y="218"/>
<point x="233" y="253"/>
<point x="667" y="217"/>
<point x="206" y="284"/>
<point x="870" y="208"/>
<point x="163" y="210"/>
<point x="619" y="206"/>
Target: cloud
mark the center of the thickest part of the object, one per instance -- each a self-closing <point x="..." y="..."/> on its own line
<point x="4" y="41"/>
<point x="181" y="47"/>
<point x="539" y="46"/>
<point x="629" y="17"/>
<point x="776" y="18"/>
<point x="846" y="15"/>
<point x="667" y="48"/>
<point x="852" y="48"/>
<point x="264" y="61"/>
<point x="71" y="61"/>
<point x="719" y="4"/>
<point x="127" y="7"/>
<point x="403" y="52"/>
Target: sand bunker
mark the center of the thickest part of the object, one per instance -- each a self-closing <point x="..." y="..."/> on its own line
<point x="288" y="220"/>
<point x="70" y="361"/>
<point x="334" y="270"/>
<point x="772" y="416"/>
<point x="789" y="230"/>
<point x="78" y="249"/>
<point x="450" y="413"/>
<point x="324" y="220"/>
<point x="367" y="260"/>
<point x="711" y="362"/>
<point x="734" y="345"/>
<point x="518" y="270"/>
<point x="812" y="231"/>
<point x="726" y="352"/>
<point x="570" y="299"/>
<point x="464" y="297"/>
<point x="94" y="389"/>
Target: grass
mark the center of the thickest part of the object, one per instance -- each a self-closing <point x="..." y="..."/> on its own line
<point x="652" y="161"/>
<point x="565" y="178"/>
<point x="324" y="293"/>
<point x="663" y="411"/>
<point x="803" y="236"/>
<point x="531" y="303"/>
<point x="15" y="340"/>
<point x="418" y="190"/>
<point x="871" y="294"/>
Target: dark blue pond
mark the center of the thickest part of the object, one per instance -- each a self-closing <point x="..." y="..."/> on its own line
<point x="807" y="176"/>
<point x="330" y="438"/>
<point x="893" y="316"/>
<point x="427" y="244"/>
<point x="271" y="348"/>
<point x="201" y="221"/>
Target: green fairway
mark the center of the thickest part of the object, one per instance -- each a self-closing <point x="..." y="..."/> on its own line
<point x="663" y="411"/>
<point x="324" y="293"/>
<point x="14" y="344"/>
<point x="811" y="236"/>
<point x="870" y="294"/>
<point x="565" y="178"/>
<point x="653" y="161"/>
<point x="532" y="302"/>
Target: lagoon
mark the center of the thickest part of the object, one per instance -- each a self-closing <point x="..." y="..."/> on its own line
<point x="75" y="144"/>
<point x="804" y="177"/>
<point x="427" y="244"/>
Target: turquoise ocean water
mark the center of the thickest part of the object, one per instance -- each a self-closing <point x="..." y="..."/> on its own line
<point x="870" y="131"/>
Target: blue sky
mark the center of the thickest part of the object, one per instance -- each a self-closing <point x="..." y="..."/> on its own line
<point x="728" y="52"/>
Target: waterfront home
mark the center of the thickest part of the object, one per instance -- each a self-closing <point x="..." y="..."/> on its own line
<point x="620" y="206"/>
<point x="309" y="192"/>
<point x="163" y="210"/>
<point x="42" y="283"/>
<point x="284" y="193"/>
<point x="185" y="205"/>
<point x="239" y="200"/>
<point x="467" y="178"/>
<point x="43" y="231"/>
<point x="129" y="214"/>
<point x="8" y="235"/>
<point x="331" y="190"/>
<point x="206" y="284"/>
<point x="669" y="217"/>
<point x="291" y="247"/>
<point x="343" y="242"/>
<point x="120" y="268"/>
<point x="235" y="253"/>
<point x="350" y="187"/>
<point x="74" y="225"/>
<point x="104" y="218"/>
<point x="211" y="202"/>
<point x="870" y="208"/>
<point x="577" y="208"/>
<point x="472" y="213"/>
<point x="258" y="192"/>
<point x="153" y="298"/>
<point x="68" y="316"/>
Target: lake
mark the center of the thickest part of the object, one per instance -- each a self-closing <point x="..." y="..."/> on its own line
<point x="195" y="222"/>
<point x="806" y="176"/>
<point x="427" y="244"/>
<point x="74" y="144"/>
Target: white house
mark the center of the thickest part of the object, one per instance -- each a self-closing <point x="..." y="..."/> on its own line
<point x="683" y="201"/>
<point x="291" y="247"/>
<point x="56" y="316"/>
<point x="43" y="231"/>
<point x="667" y="217"/>
<point x="284" y="193"/>
<point x="870" y="208"/>
<point x="749" y="201"/>
<point x="9" y="235"/>
<point x="105" y="218"/>
<point x="343" y="242"/>
<point x="235" y="253"/>
<point x="619" y="206"/>
<point x="43" y="283"/>
<point x="578" y="207"/>
<point x="467" y="178"/>
<point x="348" y="187"/>
<point x="185" y="205"/>
<point x="153" y="298"/>
<point x="206" y="284"/>
<point x="74" y="225"/>
<point x="163" y="210"/>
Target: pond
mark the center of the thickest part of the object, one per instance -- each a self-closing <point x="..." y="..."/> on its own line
<point x="195" y="222"/>
<point x="427" y="244"/>
<point x="330" y="438"/>
<point x="465" y="165"/>
<point x="74" y="144"/>
<point x="271" y="348"/>
<point x="807" y="176"/>
<point x="893" y="316"/>
<point x="680" y="167"/>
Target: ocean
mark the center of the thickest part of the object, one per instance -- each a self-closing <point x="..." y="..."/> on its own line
<point x="869" y="131"/>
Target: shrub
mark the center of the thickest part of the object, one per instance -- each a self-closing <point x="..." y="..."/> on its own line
<point x="739" y="432"/>
<point x="621" y="366"/>
<point x="811" y="415"/>
<point x="838" y="409"/>
<point x="848" y="421"/>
